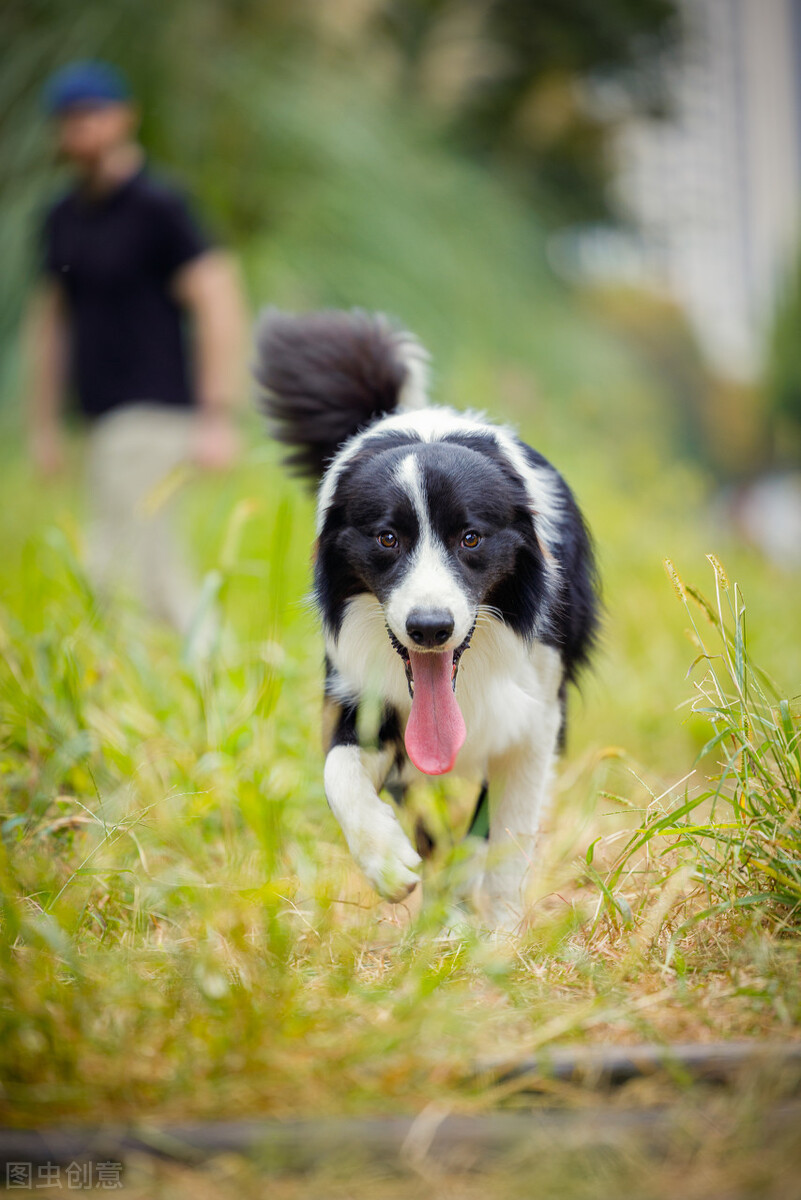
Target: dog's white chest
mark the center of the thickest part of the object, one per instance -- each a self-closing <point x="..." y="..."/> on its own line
<point x="507" y="691"/>
<point x="506" y="688"/>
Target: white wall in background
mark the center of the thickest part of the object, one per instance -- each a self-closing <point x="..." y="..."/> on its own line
<point x="715" y="189"/>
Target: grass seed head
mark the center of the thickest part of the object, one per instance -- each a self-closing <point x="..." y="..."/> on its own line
<point x="676" y="580"/>
<point x="722" y="577"/>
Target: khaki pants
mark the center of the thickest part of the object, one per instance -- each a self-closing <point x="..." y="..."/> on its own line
<point x="130" y="543"/>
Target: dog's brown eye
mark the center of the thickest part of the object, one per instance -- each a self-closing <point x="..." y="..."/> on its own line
<point x="471" y="539"/>
<point x="387" y="539"/>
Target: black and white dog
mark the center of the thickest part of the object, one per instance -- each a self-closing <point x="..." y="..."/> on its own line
<point x="455" y="580"/>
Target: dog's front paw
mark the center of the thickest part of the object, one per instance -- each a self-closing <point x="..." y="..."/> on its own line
<point x="386" y="856"/>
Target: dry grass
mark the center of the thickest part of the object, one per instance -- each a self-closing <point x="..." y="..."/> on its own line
<point x="185" y="935"/>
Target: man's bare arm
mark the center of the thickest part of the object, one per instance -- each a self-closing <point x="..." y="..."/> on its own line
<point x="208" y="287"/>
<point x="45" y="349"/>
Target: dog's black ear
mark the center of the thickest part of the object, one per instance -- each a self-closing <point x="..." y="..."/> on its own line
<point x="326" y="375"/>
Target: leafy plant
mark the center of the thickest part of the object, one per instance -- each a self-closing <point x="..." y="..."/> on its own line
<point x="734" y="843"/>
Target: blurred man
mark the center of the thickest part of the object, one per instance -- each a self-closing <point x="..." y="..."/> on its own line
<point x="140" y="319"/>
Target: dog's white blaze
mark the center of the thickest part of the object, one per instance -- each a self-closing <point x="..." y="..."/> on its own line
<point x="407" y="474"/>
<point x="428" y="581"/>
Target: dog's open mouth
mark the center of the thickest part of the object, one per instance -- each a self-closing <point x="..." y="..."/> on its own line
<point x="435" y="731"/>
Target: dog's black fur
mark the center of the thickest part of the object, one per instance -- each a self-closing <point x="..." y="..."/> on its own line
<point x="325" y="377"/>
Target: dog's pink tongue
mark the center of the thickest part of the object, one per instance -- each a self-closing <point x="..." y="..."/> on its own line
<point x="435" y="730"/>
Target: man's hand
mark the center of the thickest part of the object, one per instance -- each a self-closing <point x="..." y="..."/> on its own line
<point x="47" y="451"/>
<point x="216" y="441"/>
<point x="46" y="367"/>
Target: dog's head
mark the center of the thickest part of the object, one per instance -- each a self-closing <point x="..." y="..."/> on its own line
<point x="442" y="533"/>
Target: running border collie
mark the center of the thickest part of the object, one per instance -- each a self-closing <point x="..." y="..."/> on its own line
<point x="455" y="580"/>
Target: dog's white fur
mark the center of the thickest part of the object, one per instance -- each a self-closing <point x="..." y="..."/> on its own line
<point x="429" y="582"/>
<point x="509" y="700"/>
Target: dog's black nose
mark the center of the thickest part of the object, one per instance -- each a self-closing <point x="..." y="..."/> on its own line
<point x="429" y="627"/>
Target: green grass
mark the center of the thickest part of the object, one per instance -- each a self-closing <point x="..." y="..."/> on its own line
<point x="732" y="842"/>
<point x="183" y="930"/>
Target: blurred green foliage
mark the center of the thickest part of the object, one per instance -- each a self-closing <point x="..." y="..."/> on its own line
<point x="312" y="123"/>
<point x="783" y="381"/>
<point x="508" y="81"/>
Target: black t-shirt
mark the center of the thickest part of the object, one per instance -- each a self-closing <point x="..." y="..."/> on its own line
<point x="115" y="257"/>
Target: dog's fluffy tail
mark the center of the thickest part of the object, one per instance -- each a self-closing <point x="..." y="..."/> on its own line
<point x="326" y="375"/>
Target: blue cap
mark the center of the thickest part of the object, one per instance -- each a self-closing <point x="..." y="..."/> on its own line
<point x="87" y="82"/>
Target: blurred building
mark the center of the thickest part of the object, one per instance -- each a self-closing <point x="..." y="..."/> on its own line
<point x="714" y="189"/>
